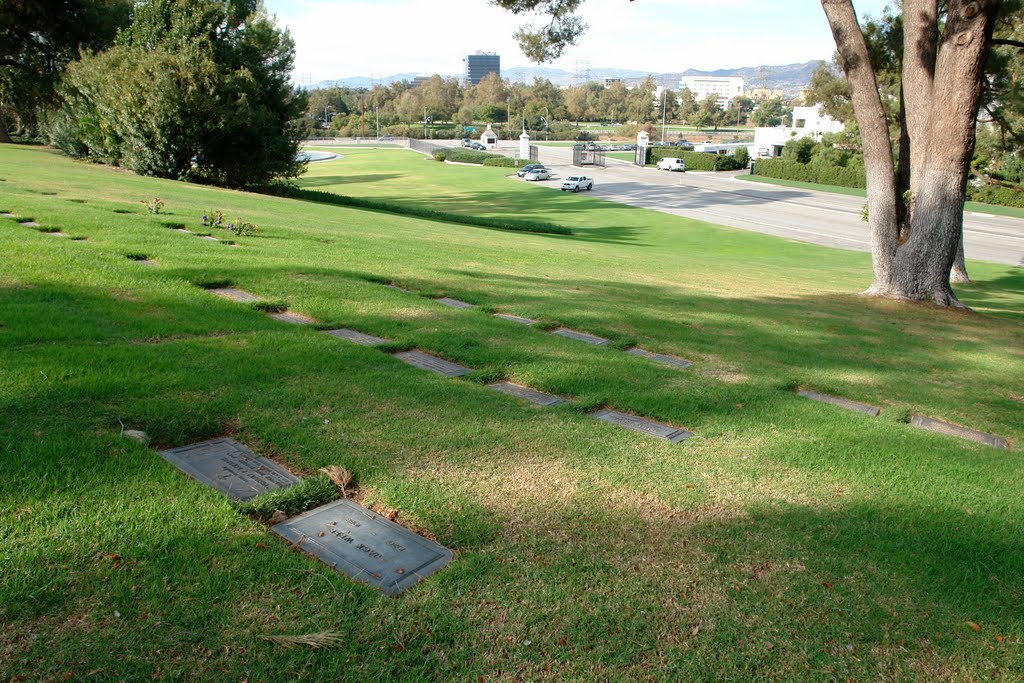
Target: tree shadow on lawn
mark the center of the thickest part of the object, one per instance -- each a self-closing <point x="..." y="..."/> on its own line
<point x="320" y="181"/>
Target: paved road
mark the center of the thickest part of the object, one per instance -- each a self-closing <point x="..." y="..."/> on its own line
<point x="824" y="218"/>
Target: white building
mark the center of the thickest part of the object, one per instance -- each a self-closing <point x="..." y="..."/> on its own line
<point x="723" y="87"/>
<point x="807" y="122"/>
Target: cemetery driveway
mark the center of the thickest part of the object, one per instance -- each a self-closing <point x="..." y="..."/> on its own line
<point x="824" y="218"/>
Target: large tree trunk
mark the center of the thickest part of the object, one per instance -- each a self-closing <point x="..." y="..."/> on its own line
<point x="941" y="87"/>
<point x="959" y="273"/>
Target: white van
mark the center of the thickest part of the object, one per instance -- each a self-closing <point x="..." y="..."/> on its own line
<point x="671" y="164"/>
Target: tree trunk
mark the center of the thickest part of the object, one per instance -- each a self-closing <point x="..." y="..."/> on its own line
<point x="941" y="90"/>
<point x="959" y="273"/>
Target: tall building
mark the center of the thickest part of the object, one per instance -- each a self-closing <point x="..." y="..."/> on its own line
<point x="475" y="67"/>
<point x="723" y="87"/>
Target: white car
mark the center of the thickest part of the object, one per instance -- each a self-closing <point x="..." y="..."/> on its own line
<point x="671" y="164"/>
<point x="538" y="174"/>
<point x="576" y="183"/>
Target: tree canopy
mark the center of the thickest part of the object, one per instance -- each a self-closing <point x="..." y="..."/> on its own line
<point x="193" y="89"/>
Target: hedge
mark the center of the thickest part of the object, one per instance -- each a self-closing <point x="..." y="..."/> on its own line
<point x="293" y="192"/>
<point x="996" y="194"/>
<point x="470" y="156"/>
<point x="821" y="174"/>
<point x="695" y="161"/>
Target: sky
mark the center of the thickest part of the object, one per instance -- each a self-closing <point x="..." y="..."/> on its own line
<point x="376" y="38"/>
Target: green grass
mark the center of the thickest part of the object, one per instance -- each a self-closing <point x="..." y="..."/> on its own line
<point x="789" y="540"/>
<point x="1011" y="211"/>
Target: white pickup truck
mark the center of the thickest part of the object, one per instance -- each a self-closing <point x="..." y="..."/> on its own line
<point x="576" y="183"/>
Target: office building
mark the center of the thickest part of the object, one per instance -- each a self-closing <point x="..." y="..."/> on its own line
<point x="723" y="87"/>
<point x="475" y="67"/>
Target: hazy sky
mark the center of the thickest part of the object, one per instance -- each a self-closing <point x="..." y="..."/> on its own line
<point x="340" y="38"/>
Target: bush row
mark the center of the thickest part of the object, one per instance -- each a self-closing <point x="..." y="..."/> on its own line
<point x="471" y="156"/>
<point x="695" y="161"/>
<point x="319" y="196"/>
<point x="851" y="175"/>
<point x="996" y="194"/>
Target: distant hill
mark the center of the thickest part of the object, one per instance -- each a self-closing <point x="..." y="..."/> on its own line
<point x="788" y="78"/>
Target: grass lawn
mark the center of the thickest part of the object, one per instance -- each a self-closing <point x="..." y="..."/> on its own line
<point x="788" y="540"/>
<point x="1011" y="211"/>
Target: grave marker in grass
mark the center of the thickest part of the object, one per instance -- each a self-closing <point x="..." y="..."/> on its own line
<point x="230" y="467"/>
<point x="661" y="358"/>
<point x="293" y="318"/>
<point x="453" y="303"/>
<point x="357" y="337"/>
<point x="515" y="318"/>
<point x="367" y="547"/>
<point x="950" y="429"/>
<point x="527" y="394"/>
<point x="425" y="361"/>
<point x="580" y="336"/>
<point x="234" y="294"/>
<point x="846" y="403"/>
<point x="642" y="425"/>
<point x="30" y="224"/>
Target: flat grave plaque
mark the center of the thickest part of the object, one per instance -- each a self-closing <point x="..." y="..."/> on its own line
<point x="581" y="336"/>
<point x="187" y="232"/>
<point x="147" y="262"/>
<point x="235" y="294"/>
<point x="950" y="429"/>
<point x="230" y="467"/>
<point x="515" y="318"/>
<point x="662" y="358"/>
<point x="31" y="224"/>
<point x="425" y="361"/>
<point x="643" y="425"/>
<point x="293" y="318"/>
<point x="209" y="237"/>
<point x="397" y="288"/>
<point x="527" y="394"/>
<point x="453" y="303"/>
<point x="871" y="410"/>
<point x="56" y="233"/>
<point x="364" y="545"/>
<point x="356" y="337"/>
<point x="9" y="215"/>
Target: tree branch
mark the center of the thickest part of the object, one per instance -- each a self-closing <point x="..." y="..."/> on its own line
<point x="1008" y="42"/>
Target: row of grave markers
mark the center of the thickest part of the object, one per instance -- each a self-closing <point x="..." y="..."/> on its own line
<point x="344" y="535"/>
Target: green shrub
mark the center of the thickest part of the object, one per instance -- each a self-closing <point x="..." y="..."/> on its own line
<point x="996" y="194"/>
<point x="440" y="155"/>
<point x="695" y="161"/>
<point x="742" y="156"/>
<point x="851" y="175"/>
<point x="504" y="162"/>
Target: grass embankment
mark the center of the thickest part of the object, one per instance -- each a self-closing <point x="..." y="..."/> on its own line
<point x="788" y="540"/>
<point x="1011" y="211"/>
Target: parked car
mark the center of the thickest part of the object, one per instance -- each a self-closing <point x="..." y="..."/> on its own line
<point x="671" y="164"/>
<point x="466" y="142"/>
<point x="575" y="183"/>
<point x="477" y="146"/>
<point x="538" y="174"/>
<point x="529" y="167"/>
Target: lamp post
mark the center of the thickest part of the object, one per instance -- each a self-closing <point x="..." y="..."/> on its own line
<point x="376" y="114"/>
<point x="424" y="123"/>
<point x="663" y="98"/>
<point x="508" y="118"/>
<point x="546" y="137"/>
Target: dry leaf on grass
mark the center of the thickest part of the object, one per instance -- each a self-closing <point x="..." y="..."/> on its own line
<point x="314" y="640"/>
<point x="974" y="627"/>
<point x="340" y="476"/>
<point x="278" y="517"/>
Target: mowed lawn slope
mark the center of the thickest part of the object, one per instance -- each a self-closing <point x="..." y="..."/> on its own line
<point x="788" y="540"/>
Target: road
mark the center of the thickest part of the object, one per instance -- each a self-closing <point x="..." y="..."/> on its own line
<point x="824" y="218"/>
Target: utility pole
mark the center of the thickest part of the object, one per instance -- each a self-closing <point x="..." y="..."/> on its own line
<point x="424" y="123"/>
<point x="546" y="136"/>
<point x="508" y="118"/>
<point x="376" y="113"/>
